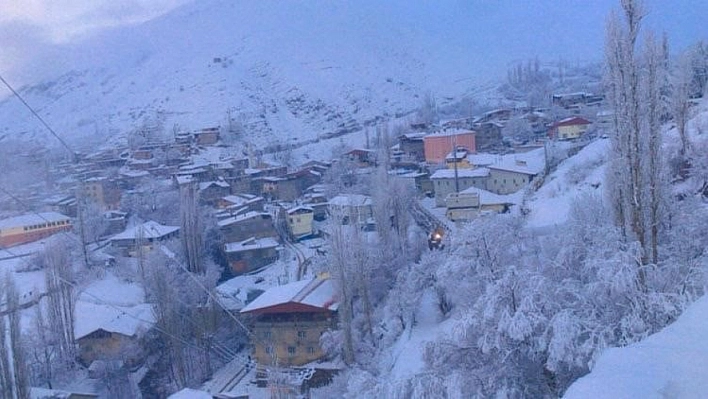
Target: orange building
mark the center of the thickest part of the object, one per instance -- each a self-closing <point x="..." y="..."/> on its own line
<point x="437" y="145"/>
<point x="31" y="227"/>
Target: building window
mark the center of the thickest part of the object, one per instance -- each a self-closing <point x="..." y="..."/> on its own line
<point x="301" y="334"/>
<point x="291" y="350"/>
<point x="310" y="350"/>
<point x="267" y="335"/>
<point x="269" y="350"/>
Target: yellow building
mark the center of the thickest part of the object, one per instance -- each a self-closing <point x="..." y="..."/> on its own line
<point x="290" y="319"/>
<point x="458" y="159"/>
<point x="472" y="202"/>
<point x="569" y="128"/>
<point x="300" y="221"/>
<point x="31" y="227"/>
<point x="112" y="333"/>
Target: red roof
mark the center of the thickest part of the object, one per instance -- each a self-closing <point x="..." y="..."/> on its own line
<point x="572" y="121"/>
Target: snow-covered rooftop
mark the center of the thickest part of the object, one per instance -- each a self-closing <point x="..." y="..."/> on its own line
<point x="531" y="162"/>
<point x="300" y="208"/>
<point x="251" y="244"/>
<point x="449" y="132"/>
<point x="189" y="393"/>
<point x="126" y="320"/>
<point x="32" y="219"/>
<point x="241" y="217"/>
<point x="44" y="393"/>
<point x="461" y="172"/>
<point x="218" y="183"/>
<point x="350" y="200"/>
<point x="483" y="159"/>
<point x="490" y="198"/>
<point x="317" y="292"/>
<point x="147" y="230"/>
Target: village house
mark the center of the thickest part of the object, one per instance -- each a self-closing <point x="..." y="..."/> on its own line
<point x="319" y="166"/>
<point x="31" y="227"/>
<point x="113" y="333"/>
<point x="293" y="185"/>
<point x="439" y="144"/>
<point x="266" y="186"/>
<point x="244" y="226"/>
<point x="361" y="157"/>
<point x="471" y="202"/>
<point x="457" y="159"/>
<point x="116" y="222"/>
<point x="207" y="136"/>
<point x="289" y="320"/>
<point x="183" y="138"/>
<point x="251" y="254"/>
<point x="508" y="177"/>
<point x="353" y="209"/>
<point x="142" y="237"/>
<point x="212" y="191"/>
<point x="317" y="201"/>
<point x="61" y="203"/>
<point x="411" y="145"/>
<point x="572" y="100"/>
<point x="569" y="128"/>
<point x="445" y="181"/>
<point x="499" y="115"/>
<point x="488" y="136"/>
<point x="101" y="191"/>
<point x="421" y="181"/>
<point x="45" y="393"/>
<point x="300" y="221"/>
<point x="249" y="202"/>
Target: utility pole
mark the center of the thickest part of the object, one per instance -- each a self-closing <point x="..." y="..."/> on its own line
<point x="454" y="159"/>
<point x="80" y="209"/>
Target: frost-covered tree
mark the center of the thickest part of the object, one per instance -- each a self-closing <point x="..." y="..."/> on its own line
<point x="14" y="379"/>
<point x="190" y="227"/>
<point x="428" y="111"/>
<point x="632" y="80"/>
<point x="61" y="299"/>
<point x="681" y="82"/>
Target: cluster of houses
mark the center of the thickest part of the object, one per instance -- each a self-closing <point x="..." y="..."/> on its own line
<point x="465" y="165"/>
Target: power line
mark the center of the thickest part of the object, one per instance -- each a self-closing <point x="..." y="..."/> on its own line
<point x="44" y="123"/>
<point x="214" y="346"/>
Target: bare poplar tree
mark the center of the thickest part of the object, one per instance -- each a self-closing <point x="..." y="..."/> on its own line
<point x="14" y="367"/>
<point x="339" y="267"/>
<point x="679" y="103"/>
<point x="61" y="299"/>
<point x="635" y="167"/>
<point x="5" y="370"/>
<point x="191" y="233"/>
<point x="655" y="67"/>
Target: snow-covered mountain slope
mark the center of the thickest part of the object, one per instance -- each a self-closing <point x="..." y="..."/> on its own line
<point x="287" y="70"/>
<point x="581" y="174"/>
<point x="668" y="364"/>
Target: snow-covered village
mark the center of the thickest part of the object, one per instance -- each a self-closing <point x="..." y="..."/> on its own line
<point x="242" y="200"/>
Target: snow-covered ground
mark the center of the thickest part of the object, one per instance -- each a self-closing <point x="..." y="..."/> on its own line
<point x="581" y="174"/>
<point x="407" y="353"/>
<point x="669" y="364"/>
